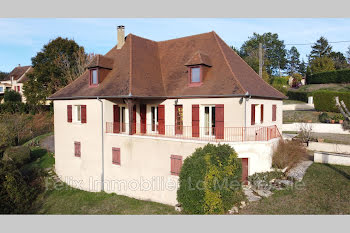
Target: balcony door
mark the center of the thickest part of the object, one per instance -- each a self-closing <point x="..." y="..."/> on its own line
<point x="209" y="121"/>
<point x="178" y="119"/>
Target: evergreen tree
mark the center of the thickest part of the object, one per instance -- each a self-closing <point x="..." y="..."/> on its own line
<point x="320" y="49"/>
<point x="302" y="68"/>
<point x="339" y="60"/>
<point x="293" y="60"/>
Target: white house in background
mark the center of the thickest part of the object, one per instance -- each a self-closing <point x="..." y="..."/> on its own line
<point x="129" y="121"/>
<point x="15" y="80"/>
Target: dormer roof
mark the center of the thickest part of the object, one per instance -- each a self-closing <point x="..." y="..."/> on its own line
<point x="199" y="58"/>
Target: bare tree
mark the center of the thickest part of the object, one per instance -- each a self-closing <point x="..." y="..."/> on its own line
<point x="305" y="132"/>
<point x="81" y="60"/>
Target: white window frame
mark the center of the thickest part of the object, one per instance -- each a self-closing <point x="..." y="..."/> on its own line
<point x="75" y="114"/>
<point x="202" y="120"/>
<point x="150" y="118"/>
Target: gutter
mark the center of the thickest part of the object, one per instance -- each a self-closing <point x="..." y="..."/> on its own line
<point x="103" y="147"/>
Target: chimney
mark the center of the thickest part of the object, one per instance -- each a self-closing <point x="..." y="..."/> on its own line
<point x="121" y="36"/>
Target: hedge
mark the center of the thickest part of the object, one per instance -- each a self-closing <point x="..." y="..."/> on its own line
<point x="337" y="76"/>
<point x="299" y="95"/>
<point x="325" y="100"/>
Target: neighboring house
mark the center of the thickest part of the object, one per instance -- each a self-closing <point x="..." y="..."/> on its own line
<point x="137" y="112"/>
<point x="15" y="80"/>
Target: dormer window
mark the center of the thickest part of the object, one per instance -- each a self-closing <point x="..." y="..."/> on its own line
<point x="93" y="77"/>
<point x="195" y="75"/>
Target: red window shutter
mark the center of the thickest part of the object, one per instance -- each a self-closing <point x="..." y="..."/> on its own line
<point x="69" y="113"/>
<point x="161" y="119"/>
<point x="143" y="117"/>
<point x="116" y="156"/>
<point x="252" y="114"/>
<point x="219" y="121"/>
<point x="83" y="114"/>
<point x="77" y="149"/>
<point x="134" y="119"/>
<point x="274" y="109"/>
<point x="195" y="120"/>
<point x="116" y="119"/>
<point x="262" y="113"/>
<point x="175" y="164"/>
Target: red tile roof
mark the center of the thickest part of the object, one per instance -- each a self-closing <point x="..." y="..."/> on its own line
<point x="17" y="72"/>
<point x="144" y="68"/>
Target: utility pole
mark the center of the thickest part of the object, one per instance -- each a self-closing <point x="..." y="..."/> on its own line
<point x="260" y="60"/>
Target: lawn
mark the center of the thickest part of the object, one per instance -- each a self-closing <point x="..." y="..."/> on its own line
<point x="303" y="116"/>
<point x="329" y="86"/>
<point x="326" y="191"/>
<point x="286" y="102"/>
<point x="67" y="200"/>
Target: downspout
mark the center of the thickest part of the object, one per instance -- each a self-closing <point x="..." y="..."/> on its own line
<point x="103" y="148"/>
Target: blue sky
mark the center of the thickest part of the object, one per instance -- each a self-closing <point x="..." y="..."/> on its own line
<point x="21" y="39"/>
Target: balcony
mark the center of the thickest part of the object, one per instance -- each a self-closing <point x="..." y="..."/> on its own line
<point x="210" y="134"/>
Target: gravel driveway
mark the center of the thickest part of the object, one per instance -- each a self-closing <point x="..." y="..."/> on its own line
<point x="48" y="143"/>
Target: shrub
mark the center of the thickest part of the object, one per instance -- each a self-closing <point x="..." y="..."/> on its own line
<point x="210" y="180"/>
<point x="337" y="76"/>
<point x="324" y="117"/>
<point x="16" y="195"/>
<point x="18" y="154"/>
<point x="281" y="88"/>
<point x="324" y="101"/>
<point x="298" y="95"/>
<point x="288" y="154"/>
<point x="12" y="96"/>
<point x="14" y="107"/>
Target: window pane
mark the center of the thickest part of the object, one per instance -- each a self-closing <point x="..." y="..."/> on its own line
<point x="78" y="113"/>
<point x="94" y="77"/>
<point x="195" y="75"/>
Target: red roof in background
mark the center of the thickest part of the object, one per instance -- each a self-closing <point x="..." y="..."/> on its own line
<point x="17" y="72"/>
<point x="146" y="68"/>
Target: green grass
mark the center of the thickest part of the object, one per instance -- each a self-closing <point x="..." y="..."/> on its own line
<point x="329" y="87"/>
<point x="67" y="200"/>
<point x="303" y="116"/>
<point x="286" y="102"/>
<point x="326" y="190"/>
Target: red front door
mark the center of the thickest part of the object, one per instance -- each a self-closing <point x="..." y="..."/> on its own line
<point x="178" y="119"/>
<point x="245" y="170"/>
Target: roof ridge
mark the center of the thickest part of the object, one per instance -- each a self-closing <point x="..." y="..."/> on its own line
<point x="179" y="38"/>
<point x="23" y="75"/>
<point x="254" y="71"/>
<point x="223" y="54"/>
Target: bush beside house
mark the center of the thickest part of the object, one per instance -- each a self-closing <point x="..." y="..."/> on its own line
<point x="210" y="180"/>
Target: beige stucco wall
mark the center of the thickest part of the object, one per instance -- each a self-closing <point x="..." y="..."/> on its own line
<point x="144" y="159"/>
<point x="89" y="164"/>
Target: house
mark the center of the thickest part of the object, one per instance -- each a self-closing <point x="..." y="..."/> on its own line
<point x="15" y="80"/>
<point x="129" y="121"/>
